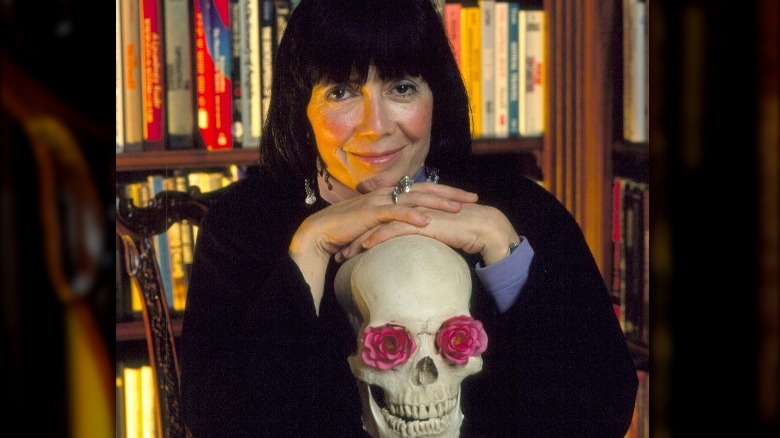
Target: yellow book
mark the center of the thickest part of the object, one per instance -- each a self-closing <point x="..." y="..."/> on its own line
<point x="471" y="60"/>
<point x="133" y="410"/>
<point x="148" y="403"/>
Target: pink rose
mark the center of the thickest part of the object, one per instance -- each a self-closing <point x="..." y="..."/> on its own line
<point x="461" y="337"/>
<point x="387" y="346"/>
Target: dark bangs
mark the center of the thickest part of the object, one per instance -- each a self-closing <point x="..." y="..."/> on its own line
<point x="350" y="36"/>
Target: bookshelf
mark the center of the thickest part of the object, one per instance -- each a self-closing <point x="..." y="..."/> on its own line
<point x="579" y="154"/>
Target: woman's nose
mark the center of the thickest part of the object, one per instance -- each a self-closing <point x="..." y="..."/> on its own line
<point x="376" y="115"/>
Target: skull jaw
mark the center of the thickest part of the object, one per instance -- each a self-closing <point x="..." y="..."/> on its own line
<point x="376" y="424"/>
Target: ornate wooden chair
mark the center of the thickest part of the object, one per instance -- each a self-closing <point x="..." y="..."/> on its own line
<point x="137" y="227"/>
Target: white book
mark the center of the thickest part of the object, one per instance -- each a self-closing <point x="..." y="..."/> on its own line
<point x="487" y="9"/>
<point x="533" y="123"/>
<point x="635" y="71"/>
<point x="501" y="19"/>
<point x="120" y="115"/>
<point x="267" y="52"/>
<point x="251" y="104"/>
<point x="178" y="67"/>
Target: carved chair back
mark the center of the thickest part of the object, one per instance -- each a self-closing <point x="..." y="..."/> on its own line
<point x="137" y="227"/>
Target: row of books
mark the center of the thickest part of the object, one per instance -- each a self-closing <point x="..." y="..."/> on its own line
<point x="136" y="401"/>
<point x="630" y="286"/>
<point x="194" y="73"/>
<point x="174" y="248"/>
<point x="499" y="46"/>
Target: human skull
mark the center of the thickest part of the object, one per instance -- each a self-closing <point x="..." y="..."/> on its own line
<point x="409" y="288"/>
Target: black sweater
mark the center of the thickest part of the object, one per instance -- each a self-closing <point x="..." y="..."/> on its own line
<point x="257" y="361"/>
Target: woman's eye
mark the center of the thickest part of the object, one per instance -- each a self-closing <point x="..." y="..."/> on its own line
<point x="405" y="88"/>
<point x="338" y="93"/>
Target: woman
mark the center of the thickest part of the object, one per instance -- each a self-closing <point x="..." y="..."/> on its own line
<point x="366" y="93"/>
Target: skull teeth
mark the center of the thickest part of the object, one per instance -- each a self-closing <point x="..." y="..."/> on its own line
<point x="415" y="428"/>
<point x="419" y="420"/>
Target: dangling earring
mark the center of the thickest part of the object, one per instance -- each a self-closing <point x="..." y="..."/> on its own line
<point x="311" y="198"/>
<point x="432" y="174"/>
<point x="324" y="173"/>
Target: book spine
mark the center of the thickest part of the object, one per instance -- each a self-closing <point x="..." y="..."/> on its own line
<point x="522" y="20"/>
<point x="161" y="244"/>
<point x="179" y="84"/>
<point x="120" y="116"/>
<point x="633" y="255"/>
<point x="488" y="73"/>
<point x="617" y="249"/>
<point x="501" y="95"/>
<point x="514" y="70"/>
<point x="283" y="9"/>
<point x="187" y="242"/>
<point x="267" y="55"/>
<point x="236" y="34"/>
<point x="176" y="254"/>
<point x="534" y="74"/>
<point x="635" y="71"/>
<point x="452" y="25"/>
<point x="204" y="74"/>
<point x="646" y="265"/>
<point x="131" y="78"/>
<point x="221" y="43"/>
<point x="152" y="76"/>
<point x="471" y="56"/>
<point x="251" y="103"/>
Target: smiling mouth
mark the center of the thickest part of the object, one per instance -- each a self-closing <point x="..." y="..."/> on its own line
<point x="375" y="159"/>
<point x="414" y="420"/>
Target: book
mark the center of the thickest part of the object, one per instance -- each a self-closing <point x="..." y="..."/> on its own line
<point x="120" y="116"/>
<point x="513" y="58"/>
<point x="237" y="129"/>
<point x="488" y="73"/>
<point x="532" y="70"/>
<point x="187" y="242"/>
<point x="221" y="52"/>
<point x="617" y="288"/>
<point x="633" y="248"/>
<point x="204" y="76"/>
<point x="152" y="74"/>
<point x="213" y="68"/>
<point x="635" y="71"/>
<point x="149" y="425"/>
<point x="501" y="94"/>
<point x="250" y="71"/>
<point x="179" y="278"/>
<point x="161" y="243"/>
<point x="282" y="10"/>
<point x="471" y="60"/>
<point x="646" y="265"/>
<point x="179" y="83"/>
<point x="133" y="404"/>
<point x="131" y="75"/>
<point x="267" y="43"/>
<point x="119" y="391"/>
<point x="452" y="26"/>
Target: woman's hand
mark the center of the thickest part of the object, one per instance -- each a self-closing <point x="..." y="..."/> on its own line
<point x="334" y="229"/>
<point x="474" y="228"/>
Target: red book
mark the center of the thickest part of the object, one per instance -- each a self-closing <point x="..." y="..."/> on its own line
<point x="152" y="75"/>
<point x="212" y="71"/>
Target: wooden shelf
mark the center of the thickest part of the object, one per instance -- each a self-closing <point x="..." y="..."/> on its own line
<point x="193" y="158"/>
<point x="134" y="330"/>
<point x="183" y="159"/>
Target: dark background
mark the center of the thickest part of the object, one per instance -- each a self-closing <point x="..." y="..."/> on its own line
<point x="713" y="142"/>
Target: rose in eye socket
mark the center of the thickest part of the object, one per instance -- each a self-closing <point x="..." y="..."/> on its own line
<point x="461" y="337"/>
<point x="387" y="346"/>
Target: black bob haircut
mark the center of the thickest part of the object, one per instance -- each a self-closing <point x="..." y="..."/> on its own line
<point x="334" y="40"/>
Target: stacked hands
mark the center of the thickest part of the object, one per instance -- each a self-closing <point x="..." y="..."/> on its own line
<point x="445" y="213"/>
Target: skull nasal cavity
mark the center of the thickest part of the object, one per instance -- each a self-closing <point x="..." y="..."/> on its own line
<point x="426" y="372"/>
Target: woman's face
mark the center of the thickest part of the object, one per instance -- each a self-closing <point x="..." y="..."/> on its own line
<point x="371" y="135"/>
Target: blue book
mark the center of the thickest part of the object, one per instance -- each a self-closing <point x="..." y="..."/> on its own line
<point x="161" y="246"/>
<point x="514" y="69"/>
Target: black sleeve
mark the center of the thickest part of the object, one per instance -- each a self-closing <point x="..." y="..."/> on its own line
<point x="557" y="362"/>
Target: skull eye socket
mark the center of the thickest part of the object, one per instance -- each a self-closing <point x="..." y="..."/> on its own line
<point x="461" y="337"/>
<point x="386" y="346"/>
